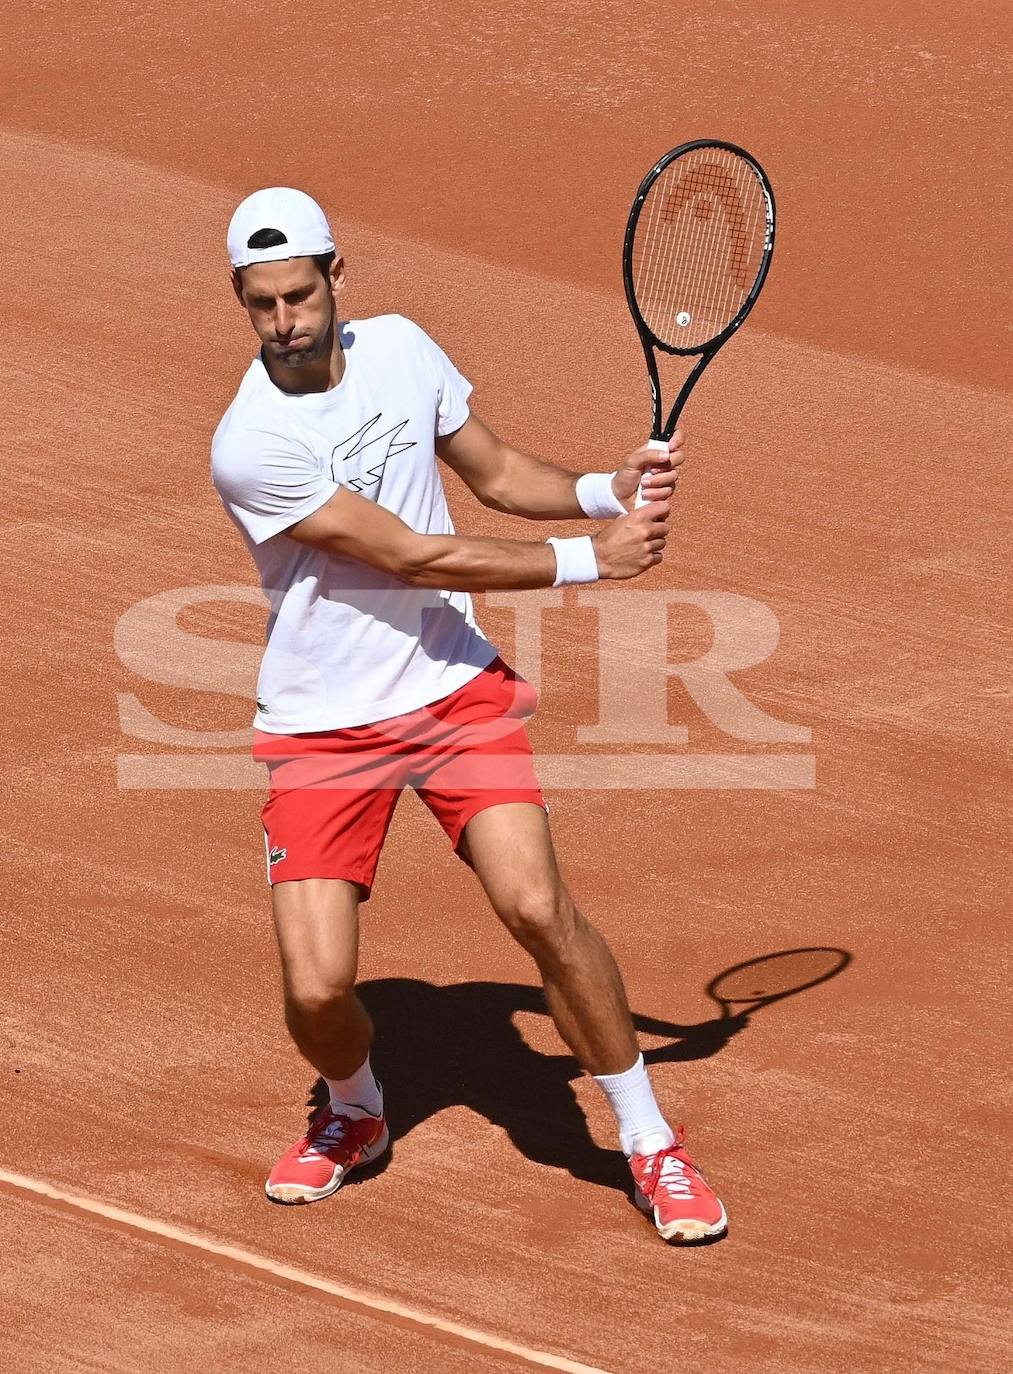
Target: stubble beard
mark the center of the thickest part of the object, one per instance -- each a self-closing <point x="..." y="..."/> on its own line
<point x="304" y="357"/>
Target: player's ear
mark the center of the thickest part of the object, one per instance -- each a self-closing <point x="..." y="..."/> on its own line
<point x="337" y="276"/>
<point x="237" y="285"/>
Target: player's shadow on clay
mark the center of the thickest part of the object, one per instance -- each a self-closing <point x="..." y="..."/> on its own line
<point x="440" y="1047"/>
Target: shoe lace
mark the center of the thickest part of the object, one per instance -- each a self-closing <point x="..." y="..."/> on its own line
<point x="320" y="1137"/>
<point x="673" y="1176"/>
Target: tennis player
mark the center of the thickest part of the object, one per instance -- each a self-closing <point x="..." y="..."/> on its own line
<point x="376" y="678"/>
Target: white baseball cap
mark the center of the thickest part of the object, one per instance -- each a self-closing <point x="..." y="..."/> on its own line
<point x="292" y="213"/>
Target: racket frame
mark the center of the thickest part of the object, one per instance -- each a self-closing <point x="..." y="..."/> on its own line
<point x="648" y="339"/>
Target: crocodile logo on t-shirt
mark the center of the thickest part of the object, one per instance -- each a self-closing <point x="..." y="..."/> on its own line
<point x="365" y="474"/>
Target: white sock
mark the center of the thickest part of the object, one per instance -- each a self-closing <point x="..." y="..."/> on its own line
<point x="358" y="1095"/>
<point x="642" y="1128"/>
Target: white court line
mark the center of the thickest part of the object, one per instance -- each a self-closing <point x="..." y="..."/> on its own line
<point x="354" y="1297"/>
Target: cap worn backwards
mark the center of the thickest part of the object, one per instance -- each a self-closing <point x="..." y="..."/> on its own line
<point x="292" y="214"/>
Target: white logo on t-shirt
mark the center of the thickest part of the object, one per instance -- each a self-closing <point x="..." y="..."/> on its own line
<point x="357" y="476"/>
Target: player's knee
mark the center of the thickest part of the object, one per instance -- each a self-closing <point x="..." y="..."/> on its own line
<point x="314" y="997"/>
<point x="542" y="919"/>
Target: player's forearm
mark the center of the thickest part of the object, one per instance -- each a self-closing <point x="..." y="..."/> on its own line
<point x="456" y="564"/>
<point x="534" y="489"/>
<point x="349" y="526"/>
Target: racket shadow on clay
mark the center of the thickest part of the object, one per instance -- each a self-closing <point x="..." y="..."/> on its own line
<point x="459" y="1045"/>
<point x="740" y="992"/>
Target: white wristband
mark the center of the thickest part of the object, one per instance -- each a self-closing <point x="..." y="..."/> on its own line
<point x="596" y="497"/>
<point x="575" y="560"/>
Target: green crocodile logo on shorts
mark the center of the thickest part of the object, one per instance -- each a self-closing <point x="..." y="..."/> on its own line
<point x="262" y="707"/>
<point x="276" y="855"/>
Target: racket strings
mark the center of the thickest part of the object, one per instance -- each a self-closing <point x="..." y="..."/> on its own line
<point x="699" y="245"/>
<point x="687" y="255"/>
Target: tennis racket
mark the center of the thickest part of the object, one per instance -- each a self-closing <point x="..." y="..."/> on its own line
<point x="696" y="254"/>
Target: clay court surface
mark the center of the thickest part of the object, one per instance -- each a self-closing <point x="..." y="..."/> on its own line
<point x="848" y="471"/>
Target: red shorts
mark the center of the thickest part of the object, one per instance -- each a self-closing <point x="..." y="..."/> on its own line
<point x="333" y="792"/>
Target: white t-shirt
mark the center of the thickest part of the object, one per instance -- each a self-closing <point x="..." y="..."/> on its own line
<point x="348" y="644"/>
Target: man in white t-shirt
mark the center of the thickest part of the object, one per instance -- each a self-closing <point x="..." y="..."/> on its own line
<point x="376" y="677"/>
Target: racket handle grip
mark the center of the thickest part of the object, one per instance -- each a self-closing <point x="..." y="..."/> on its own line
<point x="659" y="446"/>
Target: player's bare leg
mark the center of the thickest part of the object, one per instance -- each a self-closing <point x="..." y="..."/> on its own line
<point x="317" y="923"/>
<point x="510" y="849"/>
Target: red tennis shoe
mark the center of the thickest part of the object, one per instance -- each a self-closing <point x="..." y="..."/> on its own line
<point x="672" y="1189"/>
<point x="319" y="1163"/>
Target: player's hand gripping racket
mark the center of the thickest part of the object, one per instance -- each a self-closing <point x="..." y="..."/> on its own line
<point x="697" y="248"/>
